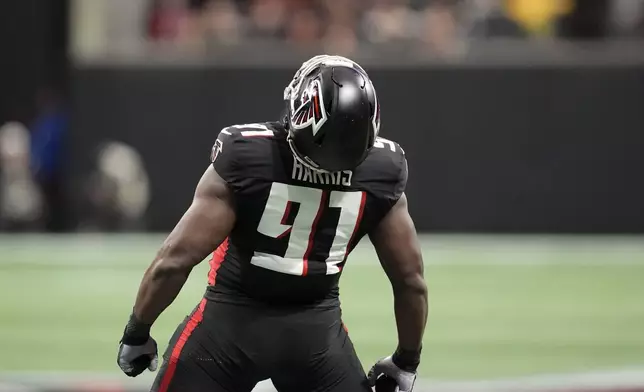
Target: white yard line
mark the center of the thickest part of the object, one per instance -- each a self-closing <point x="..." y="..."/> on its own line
<point x="618" y="379"/>
<point x="85" y="250"/>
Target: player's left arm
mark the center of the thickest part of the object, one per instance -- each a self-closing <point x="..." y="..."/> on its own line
<point x="398" y="249"/>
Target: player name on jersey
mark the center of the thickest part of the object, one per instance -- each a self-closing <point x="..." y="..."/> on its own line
<point x="303" y="173"/>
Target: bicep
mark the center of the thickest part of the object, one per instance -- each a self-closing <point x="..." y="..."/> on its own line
<point x="205" y="224"/>
<point x="397" y="245"/>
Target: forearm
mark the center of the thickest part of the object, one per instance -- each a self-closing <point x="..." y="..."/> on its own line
<point x="410" y="307"/>
<point x="161" y="284"/>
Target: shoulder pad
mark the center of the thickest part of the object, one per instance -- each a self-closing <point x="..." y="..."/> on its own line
<point x="249" y="130"/>
<point x="387" y="144"/>
<point x="239" y="150"/>
<point x="385" y="170"/>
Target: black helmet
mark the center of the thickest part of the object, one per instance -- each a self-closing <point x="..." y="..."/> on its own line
<point x="333" y="115"/>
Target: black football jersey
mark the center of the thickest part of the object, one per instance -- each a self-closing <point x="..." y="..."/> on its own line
<point x="295" y="226"/>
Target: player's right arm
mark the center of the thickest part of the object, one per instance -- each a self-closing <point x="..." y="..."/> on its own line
<point x="398" y="249"/>
<point x="207" y="222"/>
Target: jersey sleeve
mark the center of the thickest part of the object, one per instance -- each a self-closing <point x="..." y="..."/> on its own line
<point x="396" y="181"/>
<point x="401" y="181"/>
<point x="384" y="175"/>
<point x="225" y="159"/>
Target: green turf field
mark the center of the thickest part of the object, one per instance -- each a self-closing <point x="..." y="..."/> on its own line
<point x="500" y="307"/>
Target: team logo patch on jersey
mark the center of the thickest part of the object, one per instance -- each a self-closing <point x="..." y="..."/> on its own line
<point x="311" y="110"/>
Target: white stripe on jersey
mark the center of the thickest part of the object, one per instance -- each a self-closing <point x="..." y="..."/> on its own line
<point x="257" y="133"/>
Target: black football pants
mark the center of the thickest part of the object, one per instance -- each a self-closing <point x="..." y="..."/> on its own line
<point x="225" y="347"/>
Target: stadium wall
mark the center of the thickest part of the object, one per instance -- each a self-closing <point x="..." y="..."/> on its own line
<point x="32" y="54"/>
<point x="490" y="149"/>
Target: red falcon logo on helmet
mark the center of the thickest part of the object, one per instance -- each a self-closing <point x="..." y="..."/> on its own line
<point x="311" y="110"/>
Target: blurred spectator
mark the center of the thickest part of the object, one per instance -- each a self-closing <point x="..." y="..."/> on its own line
<point x="303" y="27"/>
<point x="490" y="19"/>
<point x="340" y="36"/>
<point x="21" y="204"/>
<point x="220" y="20"/>
<point x="167" y="19"/>
<point x="440" y="30"/>
<point x="47" y="142"/>
<point x="117" y="191"/>
<point x="267" y="18"/>
<point x="626" y="18"/>
<point x="539" y="17"/>
<point x="390" y="20"/>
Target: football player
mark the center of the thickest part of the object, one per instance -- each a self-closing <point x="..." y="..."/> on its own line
<point x="282" y="205"/>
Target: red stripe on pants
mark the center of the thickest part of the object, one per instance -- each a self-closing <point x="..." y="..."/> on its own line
<point x="181" y="342"/>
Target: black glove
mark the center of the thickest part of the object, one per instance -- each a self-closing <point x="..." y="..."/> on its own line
<point x="395" y="373"/>
<point x="138" y="351"/>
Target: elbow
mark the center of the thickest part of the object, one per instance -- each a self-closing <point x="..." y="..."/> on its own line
<point x="164" y="268"/>
<point x="412" y="284"/>
<point x="170" y="263"/>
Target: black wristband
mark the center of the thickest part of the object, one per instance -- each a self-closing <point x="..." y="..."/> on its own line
<point x="136" y="332"/>
<point x="407" y="360"/>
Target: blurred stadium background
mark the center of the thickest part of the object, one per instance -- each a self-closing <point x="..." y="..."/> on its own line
<point x="523" y="123"/>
